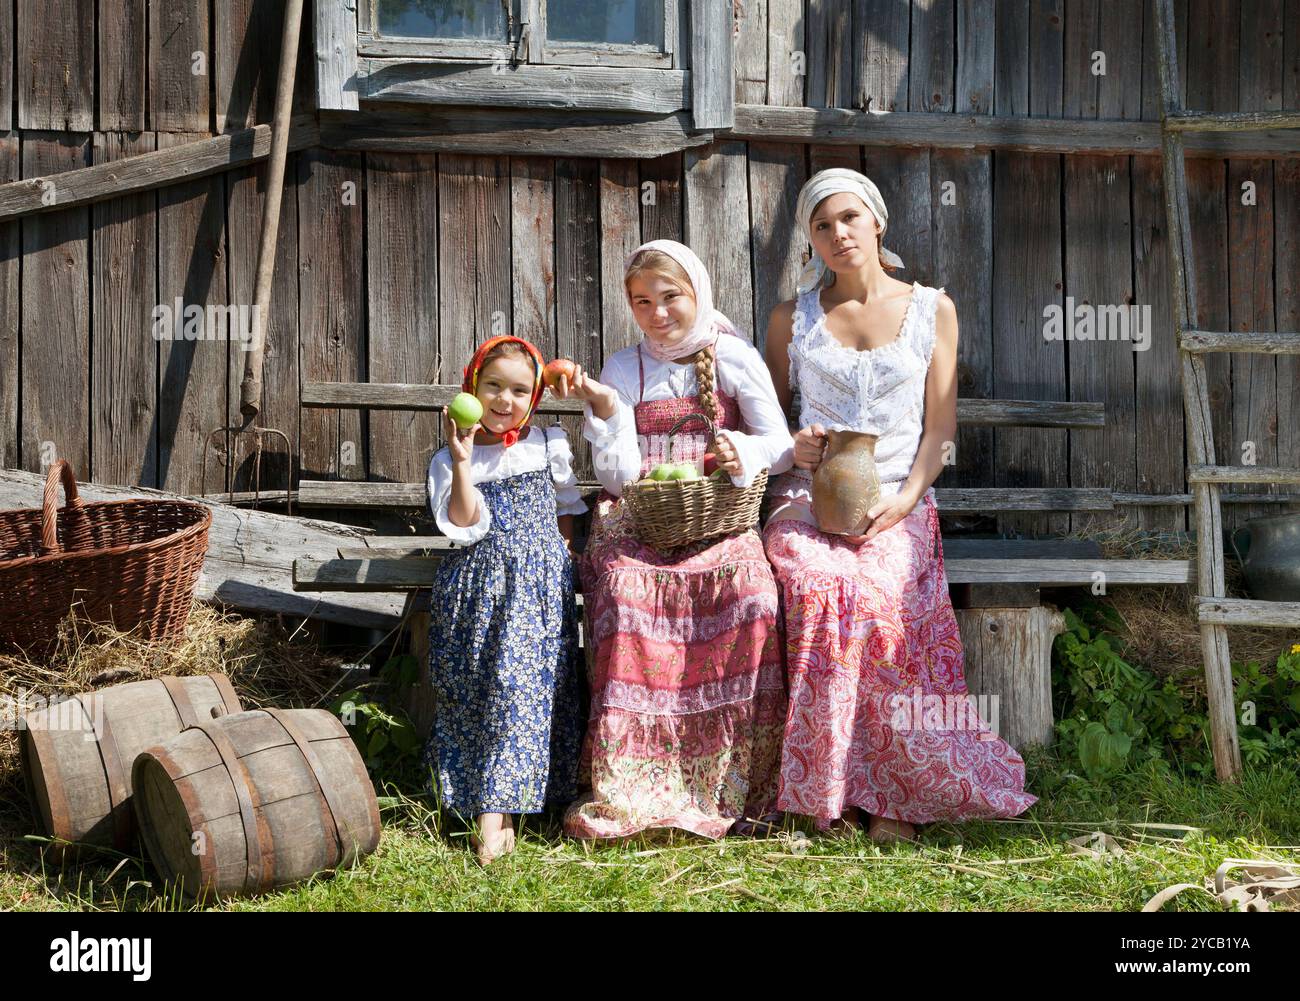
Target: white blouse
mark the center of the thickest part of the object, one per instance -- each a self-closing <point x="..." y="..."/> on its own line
<point x="489" y="463"/>
<point x="741" y="373"/>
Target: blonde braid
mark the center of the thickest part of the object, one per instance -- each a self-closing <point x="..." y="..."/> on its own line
<point x="706" y="383"/>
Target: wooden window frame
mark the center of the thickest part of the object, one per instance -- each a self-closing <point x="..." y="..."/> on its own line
<point x="354" y="66"/>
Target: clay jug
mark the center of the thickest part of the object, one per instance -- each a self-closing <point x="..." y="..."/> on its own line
<point x="845" y="486"/>
<point x="1272" y="557"/>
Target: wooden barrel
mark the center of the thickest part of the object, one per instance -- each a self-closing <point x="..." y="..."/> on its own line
<point x="255" y="800"/>
<point x="77" y="754"/>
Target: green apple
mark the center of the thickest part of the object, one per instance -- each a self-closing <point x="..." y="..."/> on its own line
<point x="466" y="411"/>
<point x="661" y="472"/>
<point x="684" y="471"/>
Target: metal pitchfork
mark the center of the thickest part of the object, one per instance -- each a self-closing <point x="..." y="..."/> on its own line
<point x="250" y="389"/>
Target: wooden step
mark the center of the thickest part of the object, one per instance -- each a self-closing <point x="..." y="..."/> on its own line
<point x="1242" y="474"/>
<point x="350" y="493"/>
<point x="417" y="571"/>
<point x="1246" y="612"/>
<point x="1235" y="121"/>
<point x="1243" y="342"/>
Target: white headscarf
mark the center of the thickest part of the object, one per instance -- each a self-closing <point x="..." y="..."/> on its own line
<point x="709" y="322"/>
<point x="820" y="187"/>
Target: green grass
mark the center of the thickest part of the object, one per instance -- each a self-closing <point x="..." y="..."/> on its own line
<point x="1019" y="865"/>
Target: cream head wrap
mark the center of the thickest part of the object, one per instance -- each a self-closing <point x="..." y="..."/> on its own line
<point x="709" y="322"/>
<point x="820" y="187"/>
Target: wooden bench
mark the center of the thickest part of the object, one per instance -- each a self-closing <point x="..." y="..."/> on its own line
<point x="1006" y="631"/>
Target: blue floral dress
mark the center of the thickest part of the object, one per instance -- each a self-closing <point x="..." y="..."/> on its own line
<point x="504" y="660"/>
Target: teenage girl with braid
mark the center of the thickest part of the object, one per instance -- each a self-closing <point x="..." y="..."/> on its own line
<point x="687" y="690"/>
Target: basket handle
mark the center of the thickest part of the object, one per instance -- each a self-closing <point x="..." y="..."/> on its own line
<point x="61" y="470"/>
<point x="708" y="423"/>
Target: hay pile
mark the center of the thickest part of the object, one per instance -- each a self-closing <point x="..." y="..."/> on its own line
<point x="1160" y="626"/>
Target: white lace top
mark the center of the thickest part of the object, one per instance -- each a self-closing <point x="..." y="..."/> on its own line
<point x="880" y="391"/>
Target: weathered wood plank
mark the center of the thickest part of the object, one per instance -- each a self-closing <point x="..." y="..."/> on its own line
<point x="751" y="52"/>
<point x="828" y="39"/>
<point x="959" y="131"/>
<point x="335" y="46"/>
<point x="407" y="396"/>
<point x="1082" y="40"/>
<point x="313" y="493"/>
<point x="1243" y="612"/>
<point x="661" y="202"/>
<point x="246" y="200"/>
<point x="1241" y="474"/>
<point x="1207" y="205"/>
<point x="124" y="355"/>
<point x="1047" y="58"/>
<point x="180" y="66"/>
<point x="56" y="65"/>
<point x="976" y="30"/>
<point x="532" y="248"/>
<point x="1152" y="106"/>
<point x="620" y="235"/>
<point x="249" y="562"/>
<point x="170" y="164"/>
<point x="903" y="177"/>
<point x="193" y="374"/>
<point x="880" y="40"/>
<point x="535" y="132"/>
<point x="55" y="332"/>
<point x="987" y="413"/>
<point x="1011" y="59"/>
<point x="402" y="242"/>
<point x="7" y="73"/>
<point x="331" y="305"/>
<point x="1286" y="179"/>
<point x="653" y="91"/>
<point x="122" y="49"/>
<point x="787" y="56"/>
<point x="577" y="281"/>
<point x="247" y="36"/>
<point x="1158" y="391"/>
<point x="1119" y="37"/>
<point x="1243" y="341"/>
<point x="930" y="77"/>
<point x="961" y="206"/>
<point x="474" y="268"/>
<point x="712" y="76"/>
<point x="1098" y="269"/>
<point x="776" y="173"/>
<point x="10" y="258"/>
<point x="717" y="226"/>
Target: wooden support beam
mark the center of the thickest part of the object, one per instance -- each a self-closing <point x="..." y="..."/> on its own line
<point x="713" y="85"/>
<point x="1237" y="121"/>
<point x="653" y="91"/>
<point x="116" y="178"/>
<point x="1020" y="134"/>
<point x="1243" y="342"/>
<point x="514" y="131"/>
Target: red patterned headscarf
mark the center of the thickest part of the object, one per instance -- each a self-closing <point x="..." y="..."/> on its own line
<point x="470" y="381"/>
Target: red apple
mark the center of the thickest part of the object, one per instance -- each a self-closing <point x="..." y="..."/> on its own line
<point x="554" y="370"/>
<point x="710" y="463"/>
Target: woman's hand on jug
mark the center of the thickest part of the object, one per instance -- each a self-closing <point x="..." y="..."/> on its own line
<point x="809" y="446"/>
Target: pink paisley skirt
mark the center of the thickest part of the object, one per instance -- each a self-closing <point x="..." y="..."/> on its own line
<point x="875" y="670"/>
<point x="688" y="700"/>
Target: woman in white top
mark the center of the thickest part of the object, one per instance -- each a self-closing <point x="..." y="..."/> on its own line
<point x="879" y="718"/>
<point x="687" y="694"/>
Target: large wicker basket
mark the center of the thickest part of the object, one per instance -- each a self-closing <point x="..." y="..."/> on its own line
<point x="129" y="563"/>
<point x="675" y="513"/>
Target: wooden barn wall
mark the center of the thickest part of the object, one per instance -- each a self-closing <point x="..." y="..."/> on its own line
<point x="391" y="266"/>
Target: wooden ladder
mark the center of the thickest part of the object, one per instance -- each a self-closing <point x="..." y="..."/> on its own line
<point x="1214" y="609"/>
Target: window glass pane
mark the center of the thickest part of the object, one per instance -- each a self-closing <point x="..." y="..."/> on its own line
<point x="444" y="18"/>
<point x="621" y="21"/>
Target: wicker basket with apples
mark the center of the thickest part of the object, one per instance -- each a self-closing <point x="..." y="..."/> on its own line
<point x="681" y="503"/>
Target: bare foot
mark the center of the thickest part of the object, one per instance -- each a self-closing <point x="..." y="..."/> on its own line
<point x="885" y="831"/>
<point x="844" y="826"/>
<point x="494" y="836"/>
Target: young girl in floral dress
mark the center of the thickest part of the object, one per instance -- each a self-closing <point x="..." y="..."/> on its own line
<point x="868" y="619"/>
<point x="503" y="637"/>
<point x="687" y="695"/>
